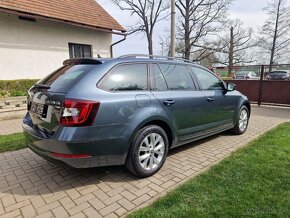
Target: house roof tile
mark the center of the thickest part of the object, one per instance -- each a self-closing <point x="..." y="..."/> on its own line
<point x="84" y="12"/>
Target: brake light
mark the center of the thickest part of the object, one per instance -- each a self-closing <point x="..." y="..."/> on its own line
<point x="78" y="112"/>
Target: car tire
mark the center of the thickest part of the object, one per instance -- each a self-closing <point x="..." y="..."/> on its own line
<point x="148" y="151"/>
<point x="242" y="121"/>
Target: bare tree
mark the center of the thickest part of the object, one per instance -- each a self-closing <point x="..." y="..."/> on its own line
<point x="275" y="38"/>
<point x="210" y="57"/>
<point x="235" y="44"/>
<point x="198" y="20"/>
<point x="149" y="12"/>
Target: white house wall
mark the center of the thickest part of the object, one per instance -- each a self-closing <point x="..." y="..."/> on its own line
<point x="34" y="49"/>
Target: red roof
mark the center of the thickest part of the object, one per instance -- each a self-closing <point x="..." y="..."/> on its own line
<point x="83" y="12"/>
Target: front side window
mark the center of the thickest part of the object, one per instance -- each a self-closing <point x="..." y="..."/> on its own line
<point x="128" y="77"/>
<point x="207" y="80"/>
<point x="177" y="77"/>
<point x="80" y="50"/>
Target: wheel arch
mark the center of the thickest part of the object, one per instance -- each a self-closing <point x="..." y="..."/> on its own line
<point x="158" y="121"/>
<point x="248" y="105"/>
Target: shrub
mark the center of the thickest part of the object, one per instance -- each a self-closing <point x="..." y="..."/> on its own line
<point x="15" y="87"/>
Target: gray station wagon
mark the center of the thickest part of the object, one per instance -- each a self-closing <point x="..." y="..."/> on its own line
<point x="129" y="110"/>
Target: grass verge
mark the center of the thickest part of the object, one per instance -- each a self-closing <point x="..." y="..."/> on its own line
<point x="12" y="142"/>
<point x="253" y="182"/>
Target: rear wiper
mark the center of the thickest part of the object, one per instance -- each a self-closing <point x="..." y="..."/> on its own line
<point x="41" y="86"/>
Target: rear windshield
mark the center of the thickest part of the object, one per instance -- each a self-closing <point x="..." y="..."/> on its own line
<point x="65" y="77"/>
<point x="245" y="73"/>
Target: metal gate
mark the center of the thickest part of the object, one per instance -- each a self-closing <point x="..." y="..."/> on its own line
<point x="263" y="90"/>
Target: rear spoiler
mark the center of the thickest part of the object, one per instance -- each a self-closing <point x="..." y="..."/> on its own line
<point x="81" y="61"/>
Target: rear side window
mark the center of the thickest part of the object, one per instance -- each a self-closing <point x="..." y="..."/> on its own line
<point x="64" y="78"/>
<point x="160" y="84"/>
<point x="207" y="80"/>
<point x="177" y="77"/>
<point x="127" y="77"/>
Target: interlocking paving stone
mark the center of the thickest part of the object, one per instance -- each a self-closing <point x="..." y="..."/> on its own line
<point x="10" y="126"/>
<point x="33" y="187"/>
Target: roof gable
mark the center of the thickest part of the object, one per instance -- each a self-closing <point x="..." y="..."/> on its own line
<point x="86" y="12"/>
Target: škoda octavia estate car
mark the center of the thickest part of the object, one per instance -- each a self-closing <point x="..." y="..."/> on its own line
<point x="129" y="110"/>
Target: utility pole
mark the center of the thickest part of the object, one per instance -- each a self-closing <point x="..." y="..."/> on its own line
<point x="173" y="28"/>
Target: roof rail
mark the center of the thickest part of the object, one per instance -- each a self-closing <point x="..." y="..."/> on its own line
<point x="154" y="57"/>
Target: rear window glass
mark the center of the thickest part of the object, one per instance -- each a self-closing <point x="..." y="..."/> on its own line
<point x="177" y="77"/>
<point x="159" y="80"/>
<point x="127" y="77"/>
<point x="64" y="78"/>
<point x="242" y="73"/>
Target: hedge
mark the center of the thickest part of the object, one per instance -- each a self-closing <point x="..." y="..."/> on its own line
<point x="15" y="87"/>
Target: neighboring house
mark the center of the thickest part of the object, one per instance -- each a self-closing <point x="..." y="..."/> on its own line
<point x="36" y="36"/>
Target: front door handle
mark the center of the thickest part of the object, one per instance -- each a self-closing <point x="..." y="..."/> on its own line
<point x="210" y="99"/>
<point x="168" y="102"/>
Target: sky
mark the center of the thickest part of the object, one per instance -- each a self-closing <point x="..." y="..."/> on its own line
<point x="249" y="11"/>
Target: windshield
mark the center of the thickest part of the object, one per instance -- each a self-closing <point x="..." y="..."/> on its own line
<point x="65" y="77"/>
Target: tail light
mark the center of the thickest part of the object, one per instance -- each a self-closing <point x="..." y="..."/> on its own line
<point x="78" y="112"/>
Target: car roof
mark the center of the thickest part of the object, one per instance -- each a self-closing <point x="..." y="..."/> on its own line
<point x="132" y="59"/>
<point x="280" y="71"/>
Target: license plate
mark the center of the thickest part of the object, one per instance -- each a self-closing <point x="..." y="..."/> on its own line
<point x="240" y="77"/>
<point x="38" y="109"/>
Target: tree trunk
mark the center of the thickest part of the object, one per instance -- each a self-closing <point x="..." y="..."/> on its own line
<point x="273" y="49"/>
<point x="231" y="52"/>
<point x="187" y="45"/>
<point x="150" y="44"/>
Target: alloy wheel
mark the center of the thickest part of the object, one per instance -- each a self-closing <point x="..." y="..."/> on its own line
<point x="151" y="151"/>
<point x="243" y="120"/>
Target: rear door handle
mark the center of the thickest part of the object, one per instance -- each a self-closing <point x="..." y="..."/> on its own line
<point x="210" y="99"/>
<point x="168" y="102"/>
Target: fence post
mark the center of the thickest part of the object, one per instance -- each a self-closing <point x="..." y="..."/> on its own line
<point x="261" y="85"/>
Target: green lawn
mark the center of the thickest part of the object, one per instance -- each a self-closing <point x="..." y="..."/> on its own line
<point x="253" y="182"/>
<point x="12" y="142"/>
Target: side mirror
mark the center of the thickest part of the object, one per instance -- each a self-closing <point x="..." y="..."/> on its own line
<point x="231" y="87"/>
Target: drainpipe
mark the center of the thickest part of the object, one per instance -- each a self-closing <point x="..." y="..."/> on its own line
<point x="111" y="47"/>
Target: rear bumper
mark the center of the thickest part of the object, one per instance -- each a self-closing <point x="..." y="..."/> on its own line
<point x="87" y="162"/>
<point x="99" y="151"/>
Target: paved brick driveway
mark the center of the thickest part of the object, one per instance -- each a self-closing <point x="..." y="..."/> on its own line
<point x="30" y="186"/>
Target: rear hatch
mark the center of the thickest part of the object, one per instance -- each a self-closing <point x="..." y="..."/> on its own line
<point x="241" y="75"/>
<point x="46" y="98"/>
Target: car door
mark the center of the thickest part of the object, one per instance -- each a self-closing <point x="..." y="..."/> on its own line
<point x="173" y="86"/>
<point x="220" y="109"/>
